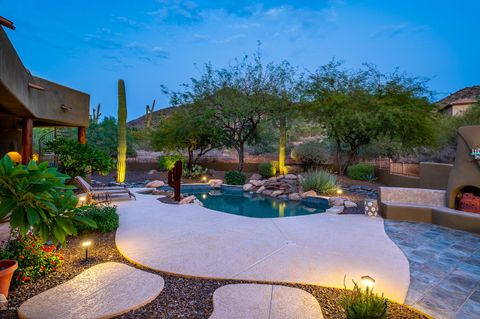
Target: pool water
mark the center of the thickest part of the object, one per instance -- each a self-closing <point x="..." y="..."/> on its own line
<point x="252" y="205"/>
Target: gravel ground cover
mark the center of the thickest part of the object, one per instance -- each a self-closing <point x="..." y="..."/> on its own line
<point x="181" y="298"/>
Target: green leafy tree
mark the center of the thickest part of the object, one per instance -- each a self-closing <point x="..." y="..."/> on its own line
<point x="357" y="107"/>
<point x="285" y="90"/>
<point x="237" y="97"/>
<point x="105" y="136"/>
<point x="187" y="128"/>
<point x="36" y="197"/>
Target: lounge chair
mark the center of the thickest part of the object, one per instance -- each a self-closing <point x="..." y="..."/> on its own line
<point x="102" y="193"/>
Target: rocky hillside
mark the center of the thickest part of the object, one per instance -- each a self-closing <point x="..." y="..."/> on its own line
<point x="139" y="123"/>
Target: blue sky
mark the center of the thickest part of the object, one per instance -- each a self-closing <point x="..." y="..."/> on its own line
<point x="89" y="45"/>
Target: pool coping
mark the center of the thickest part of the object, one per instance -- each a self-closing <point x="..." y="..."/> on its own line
<point x="320" y="201"/>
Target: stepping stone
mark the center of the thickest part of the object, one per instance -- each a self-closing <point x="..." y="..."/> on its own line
<point x="264" y="301"/>
<point x="103" y="291"/>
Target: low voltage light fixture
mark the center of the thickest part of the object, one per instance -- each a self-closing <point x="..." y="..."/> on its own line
<point x="368" y="281"/>
<point x="86" y="244"/>
<point x="339" y="191"/>
<point x="204" y="179"/>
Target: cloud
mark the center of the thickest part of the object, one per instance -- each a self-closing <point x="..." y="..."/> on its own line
<point x="129" y="22"/>
<point x="230" y="39"/>
<point x="176" y="11"/>
<point x="392" y="31"/>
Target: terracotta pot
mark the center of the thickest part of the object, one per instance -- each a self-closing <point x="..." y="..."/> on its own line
<point x="8" y="268"/>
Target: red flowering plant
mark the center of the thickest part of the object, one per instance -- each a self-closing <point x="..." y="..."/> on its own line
<point x="35" y="259"/>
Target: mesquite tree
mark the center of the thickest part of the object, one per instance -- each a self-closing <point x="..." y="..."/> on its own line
<point x="237" y="97"/>
<point x="285" y="90"/>
<point x="357" y="107"/>
<point x="187" y="129"/>
<point x="122" y="132"/>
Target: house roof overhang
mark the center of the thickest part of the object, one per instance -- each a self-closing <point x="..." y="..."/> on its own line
<point x="25" y="95"/>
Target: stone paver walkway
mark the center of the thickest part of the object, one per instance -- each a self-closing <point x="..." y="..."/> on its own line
<point x="319" y="249"/>
<point x="241" y="301"/>
<point x="103" y="291"/>
<point x="444" y="267"/>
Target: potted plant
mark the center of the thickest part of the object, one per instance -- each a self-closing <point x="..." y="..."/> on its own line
<point x="7" y="268"/>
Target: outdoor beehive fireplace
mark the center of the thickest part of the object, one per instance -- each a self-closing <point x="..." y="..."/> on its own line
<point x="464" y="182"/>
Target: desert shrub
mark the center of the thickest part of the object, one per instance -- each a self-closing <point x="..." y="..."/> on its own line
<point x="167" y="162"/>
<point x="310" y="154"/>
<point x="77" y="159"/>
<point x="105" y="218"/>
<point x="321" y="182"/>
<point x="360" y="304"/>
<point x="194" y="172"/>
<point x="235" y="178"/>
<point x="363" y="172"/>
<point x="35" y="258"/>
<point x="267" y="170"/>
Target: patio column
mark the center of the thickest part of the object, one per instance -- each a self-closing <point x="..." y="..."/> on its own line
<point x="82" y="135"/>
<point x="27" y="134"/>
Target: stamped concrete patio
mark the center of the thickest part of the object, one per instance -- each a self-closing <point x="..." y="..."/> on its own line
<point x="320" y="249"/>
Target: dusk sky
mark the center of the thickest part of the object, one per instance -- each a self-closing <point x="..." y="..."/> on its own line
<point x="89" y="45"/>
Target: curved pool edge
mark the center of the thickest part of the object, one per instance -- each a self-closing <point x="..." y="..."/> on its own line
<point x="180" y="255"/>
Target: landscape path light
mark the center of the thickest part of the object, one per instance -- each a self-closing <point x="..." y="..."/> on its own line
<point x="86" y="244"/>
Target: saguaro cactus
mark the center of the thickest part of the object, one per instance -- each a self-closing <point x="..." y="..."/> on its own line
<point x="282" y="145"/>
<point x="122" y="133"/>
<point x="149" y="114"/>
<point x="96" y="114"/>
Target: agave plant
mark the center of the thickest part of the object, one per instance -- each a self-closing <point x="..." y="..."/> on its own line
<point x="35" y="198"/>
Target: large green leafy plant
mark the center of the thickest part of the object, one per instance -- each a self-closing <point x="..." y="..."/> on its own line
<point x="77" y="159"/>
<point x="35" y="197"/>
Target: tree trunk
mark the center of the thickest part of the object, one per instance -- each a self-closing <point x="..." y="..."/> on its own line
<point x="339" y="159"/>
<point x="240" y="151"/>
<point x="351" y="156"/>
<point x="190" y="158"/>
<point x="282" y="145"/>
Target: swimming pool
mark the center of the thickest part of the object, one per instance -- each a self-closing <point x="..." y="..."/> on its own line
<point x="252" y="205"/>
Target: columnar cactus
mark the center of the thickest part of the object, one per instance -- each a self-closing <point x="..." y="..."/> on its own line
<point x="96" y="114"/>
<point x="122" y="133"/>
<point x="149" y="114"/>
<point x="282" y="145"/>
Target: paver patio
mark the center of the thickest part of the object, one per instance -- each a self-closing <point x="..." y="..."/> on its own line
<point x="444" y="266"/>
<point x="320" y="249"/>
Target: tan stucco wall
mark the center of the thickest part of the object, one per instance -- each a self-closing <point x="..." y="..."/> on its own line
<point x="18" y="98"/>
<point x="432" y="176"/>
<point x="459" y="109"/>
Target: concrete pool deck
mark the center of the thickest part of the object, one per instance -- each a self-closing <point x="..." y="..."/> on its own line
<point x="319" y="249"/>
